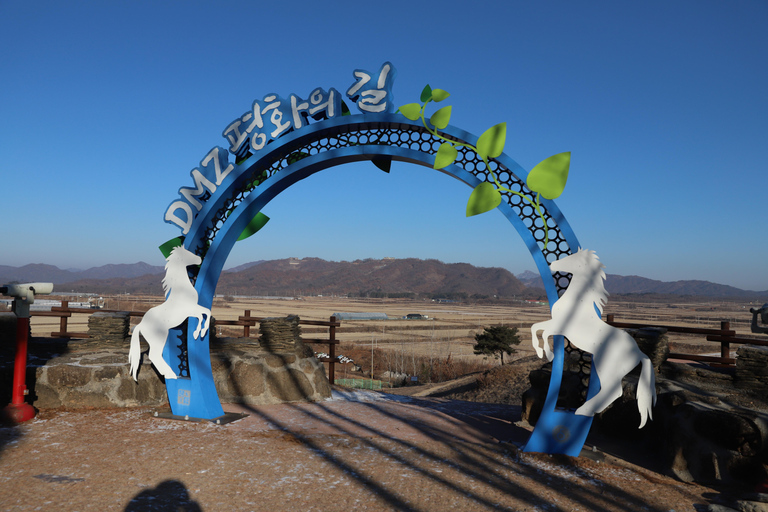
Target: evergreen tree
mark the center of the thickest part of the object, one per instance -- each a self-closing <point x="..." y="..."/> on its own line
<point x="496" y="341"/>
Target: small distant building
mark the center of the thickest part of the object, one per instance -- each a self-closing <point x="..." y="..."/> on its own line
<point x="416" y="316"/>
<point x="361" y="316"/>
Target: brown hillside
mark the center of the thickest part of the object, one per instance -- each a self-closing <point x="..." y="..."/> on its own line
<point x="314" y="276"/>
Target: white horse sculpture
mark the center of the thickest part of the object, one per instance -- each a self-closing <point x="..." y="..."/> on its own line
<point x="575" y="315"/>
<point x="180" y="304"/>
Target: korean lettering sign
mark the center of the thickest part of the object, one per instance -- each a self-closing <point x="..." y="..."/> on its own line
<point x="274" y="116"/>
<point x="270" y="118"/>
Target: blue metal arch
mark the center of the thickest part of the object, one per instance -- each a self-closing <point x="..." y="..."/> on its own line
<point x="556" y="432"/>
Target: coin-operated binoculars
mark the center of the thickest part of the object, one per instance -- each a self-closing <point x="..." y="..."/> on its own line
<point x="763" y="312"/>
<point x="23" y="295"/>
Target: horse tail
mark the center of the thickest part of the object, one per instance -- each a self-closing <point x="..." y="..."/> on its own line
<point x="134" y="354"/>
<point x="646" y="391"/>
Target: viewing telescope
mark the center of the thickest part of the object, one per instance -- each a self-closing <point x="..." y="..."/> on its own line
<point x="27" y="291"/>
<point x="23" y="295"/>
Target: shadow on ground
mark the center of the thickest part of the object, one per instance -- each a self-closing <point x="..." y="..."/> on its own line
<point x="494" y="473"/>
<point x="168" y="496"/>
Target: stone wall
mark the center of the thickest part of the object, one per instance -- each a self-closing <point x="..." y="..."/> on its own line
<point x="107" y="329"/>
<point x="89" y="375"/>
<point x="279" y="334"/>
<point x="752" y="369"/>
<point x="248" y="375"/>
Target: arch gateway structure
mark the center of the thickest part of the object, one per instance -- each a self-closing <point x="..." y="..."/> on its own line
<point x="283" y="139"/>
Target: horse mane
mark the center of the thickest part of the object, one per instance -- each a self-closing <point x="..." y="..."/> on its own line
<point x="169" y="261"/>
<point x="596" y="268"/>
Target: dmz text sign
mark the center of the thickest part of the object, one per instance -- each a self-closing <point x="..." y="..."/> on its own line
<point x="270" y="118"/>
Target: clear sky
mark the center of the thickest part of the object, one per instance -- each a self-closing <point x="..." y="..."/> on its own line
<point x="105" y="108"/>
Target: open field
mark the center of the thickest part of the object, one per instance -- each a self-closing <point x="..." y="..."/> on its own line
<point x="450" y="327"/>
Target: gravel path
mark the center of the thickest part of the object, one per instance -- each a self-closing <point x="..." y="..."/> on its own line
<point x="359" y="451"/>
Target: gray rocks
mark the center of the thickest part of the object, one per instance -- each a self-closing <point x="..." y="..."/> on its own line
<point x="745" y="502"/>
<point x="279" y="334"/>
<point x="653" y="342"/>
<point x="94" y="379"/>
<point x="107" y="329"/>
<point x="712" y="443"/>
<point x="752" y="369"/>
<point x="258" y="377"/>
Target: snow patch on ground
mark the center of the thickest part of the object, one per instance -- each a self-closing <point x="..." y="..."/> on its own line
<point x="362" y="395"/>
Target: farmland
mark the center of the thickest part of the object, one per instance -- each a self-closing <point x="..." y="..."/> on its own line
<point x="448" y="329"/>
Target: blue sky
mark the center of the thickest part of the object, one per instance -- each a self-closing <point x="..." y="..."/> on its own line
<point x="105" y="107"/>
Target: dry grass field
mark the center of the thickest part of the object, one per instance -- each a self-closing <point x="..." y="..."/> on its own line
<point x="449" y="330"/>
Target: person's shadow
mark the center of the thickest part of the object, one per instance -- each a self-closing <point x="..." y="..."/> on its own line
<point x="168" y="496"/>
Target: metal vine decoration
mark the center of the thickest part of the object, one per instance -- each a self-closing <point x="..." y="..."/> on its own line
<point x="547" y="179"/>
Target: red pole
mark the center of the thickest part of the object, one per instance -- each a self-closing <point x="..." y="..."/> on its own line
<point x="18" y="410"/>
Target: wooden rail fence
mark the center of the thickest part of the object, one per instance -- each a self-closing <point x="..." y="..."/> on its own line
<point x="64" y="312"/>
<point x="725" y="336"/>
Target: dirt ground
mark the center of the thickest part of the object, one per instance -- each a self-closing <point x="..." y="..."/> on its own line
<point x="359" y="451"/>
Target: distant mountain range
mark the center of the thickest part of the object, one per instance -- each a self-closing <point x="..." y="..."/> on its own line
<point x="50" y="274"/>
<point x="369" y="277"/>
<point x="636" y="285"/>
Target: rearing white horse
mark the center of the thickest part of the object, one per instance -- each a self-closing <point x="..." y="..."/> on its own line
<point x="180" y="304"/>
<point x="576" y="315"/>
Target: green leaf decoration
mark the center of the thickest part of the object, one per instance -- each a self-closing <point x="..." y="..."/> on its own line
<point x="256" y="224"/>
<point x="345" y="109"/>
<point x="484" y="198"/>
<point x="549" y="176"/>
<point x="426" y="94"/>
<point x="439" y="95"/>
<point x="491" y="142"/>
<point x="168" y="246"/>
<point x="412" y="111"/>
<point x="441" y="118"/>
<point x="446" y="155"/>
<point x="383" y="163"/>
